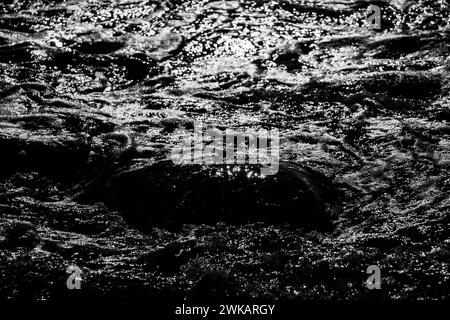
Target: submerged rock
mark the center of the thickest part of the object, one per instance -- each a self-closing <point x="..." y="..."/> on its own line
<point x="168" y="194"/>
<point x="56" y="155"/>
<point x="16" y="233"/>
<point x="100" y="47"/>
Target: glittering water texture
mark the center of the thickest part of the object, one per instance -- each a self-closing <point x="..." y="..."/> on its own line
<point x="92" y="94"/>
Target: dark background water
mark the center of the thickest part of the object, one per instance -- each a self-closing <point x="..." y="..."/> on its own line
<point x="92" y="92"/>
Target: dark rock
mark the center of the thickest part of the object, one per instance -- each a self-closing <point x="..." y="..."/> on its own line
<point x="395" y="46"/>
<point x="401" y="84"/>
<point x="215" y="286"/>
<point x="381" y="242"/>
<point x="60" y="156"/>
<point x="170" y="258"/>
<point x="137" y="66"/>
<point x="168" y="194"/>
<point x="290" y="60"/>
<point x="442" y="115"/>
<point x="18" y="234"/>
<point x="100" y="47"/>
<point x="16" y="52"/>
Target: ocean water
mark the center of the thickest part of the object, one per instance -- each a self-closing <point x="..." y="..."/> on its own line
<point x="93" y="93"/>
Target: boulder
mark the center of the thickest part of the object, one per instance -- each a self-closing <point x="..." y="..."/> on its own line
<point x="168" y="194"/>
<point x="54" y="155"/>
